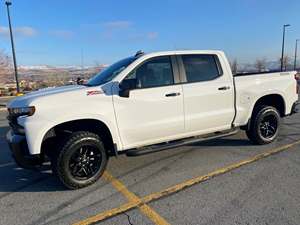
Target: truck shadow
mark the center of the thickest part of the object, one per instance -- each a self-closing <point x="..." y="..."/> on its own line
<point x="224" y="142"/>
<point x="3" y="131"/>
<point x="15" y="179"/>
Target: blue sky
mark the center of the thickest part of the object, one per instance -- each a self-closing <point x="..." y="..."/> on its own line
<point x="54" y="32"/>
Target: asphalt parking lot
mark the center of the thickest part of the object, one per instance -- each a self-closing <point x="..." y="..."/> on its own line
<point x="226" y="181"/>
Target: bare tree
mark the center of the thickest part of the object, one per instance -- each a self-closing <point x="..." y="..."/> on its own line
<point x="234" y="66"/>
<point x="287" y="62"/>
<point x="260" y="65"/>
<point x="5" y="63"/>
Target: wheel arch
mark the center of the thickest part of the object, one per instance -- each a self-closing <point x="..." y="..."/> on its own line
<point x="275" y="100"/>
<point x="57" y="132"/>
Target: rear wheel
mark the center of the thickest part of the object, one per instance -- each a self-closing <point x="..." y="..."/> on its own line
<point x="81" y="161"/>
<point x="264" y="127"/>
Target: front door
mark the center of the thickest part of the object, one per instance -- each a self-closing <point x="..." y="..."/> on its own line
<point x="153" y="112"/>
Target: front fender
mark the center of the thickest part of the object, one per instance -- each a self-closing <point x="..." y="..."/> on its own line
<point x="36" y="129"/>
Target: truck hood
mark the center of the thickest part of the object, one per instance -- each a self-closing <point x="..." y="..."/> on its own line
<point x="25" y="100"/>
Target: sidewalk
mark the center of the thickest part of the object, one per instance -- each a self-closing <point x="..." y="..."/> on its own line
<point x="4" y="101"/>
<point x="2" y="106"/>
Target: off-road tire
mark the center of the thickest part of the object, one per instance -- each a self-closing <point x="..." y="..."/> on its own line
<point x="69" y="146"/>
<point x="254" y="132"/>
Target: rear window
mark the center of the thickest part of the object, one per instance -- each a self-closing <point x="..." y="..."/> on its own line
<point x="201" y="67"/>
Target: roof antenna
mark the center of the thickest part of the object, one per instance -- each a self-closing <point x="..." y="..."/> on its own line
<point x="139" y="53"/>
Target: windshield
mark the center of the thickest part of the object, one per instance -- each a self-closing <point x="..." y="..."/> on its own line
<point x="110" y="72"/>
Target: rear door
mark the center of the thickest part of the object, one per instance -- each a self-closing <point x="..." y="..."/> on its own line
<point x="153" y="112"/>
<point x="208" y="94"/>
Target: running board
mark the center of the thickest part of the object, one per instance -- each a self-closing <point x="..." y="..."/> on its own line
<point x="174" y="144"/>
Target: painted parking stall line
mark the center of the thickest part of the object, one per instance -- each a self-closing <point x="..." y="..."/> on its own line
<point x="134" y="201"/>
<point x="145" y="209"/>
<point x="139" y="202"/>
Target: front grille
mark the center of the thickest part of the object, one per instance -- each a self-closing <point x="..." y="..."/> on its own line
<point x="13" y="123"/>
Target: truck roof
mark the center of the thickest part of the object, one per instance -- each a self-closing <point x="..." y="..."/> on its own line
<point x="180" y="52"/>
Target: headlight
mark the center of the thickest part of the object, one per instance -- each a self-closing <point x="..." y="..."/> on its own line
<point x="22" y="111"/>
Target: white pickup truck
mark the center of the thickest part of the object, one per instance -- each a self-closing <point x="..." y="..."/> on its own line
<point x="142" y="104"/>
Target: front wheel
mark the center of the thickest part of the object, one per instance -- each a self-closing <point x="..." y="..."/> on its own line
<point x="81" y="161"/>
<point x="264" y="127"/>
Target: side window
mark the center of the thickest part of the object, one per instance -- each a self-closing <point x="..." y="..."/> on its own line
<point x="201" y="67"/>
<point x="153" y="73"/>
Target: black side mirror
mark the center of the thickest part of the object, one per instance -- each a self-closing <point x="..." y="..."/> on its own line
<point x="125" y="87"/>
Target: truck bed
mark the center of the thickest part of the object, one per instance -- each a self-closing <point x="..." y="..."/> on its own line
<point x="249" y="88"/>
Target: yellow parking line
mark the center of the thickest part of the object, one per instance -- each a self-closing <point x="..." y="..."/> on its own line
<point x="148" y="211"/>
<point x="133" y="202"/>
<point x="108" y="214"/>
<point x="139" y="202"/>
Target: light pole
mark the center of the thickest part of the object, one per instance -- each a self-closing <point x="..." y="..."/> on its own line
<point x="296" y="49"/>
<point x="8" y="3"/>
<point x="283" y="41"/>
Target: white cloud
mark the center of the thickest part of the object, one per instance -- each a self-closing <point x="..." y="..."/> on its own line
<point x="119" y="24"/>
<point x="19" y="31"/>
<point x="143" y="36"/>
<point x="66" y="34"/>
<point x="152" y="35"/>
<point x="113" y="28"/>
<point x="126" y="30"/>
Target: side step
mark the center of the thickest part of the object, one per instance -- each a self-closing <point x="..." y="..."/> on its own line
<point x="174" y="144"/>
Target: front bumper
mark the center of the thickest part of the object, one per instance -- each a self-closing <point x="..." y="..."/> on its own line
<point x="19" y="148"/>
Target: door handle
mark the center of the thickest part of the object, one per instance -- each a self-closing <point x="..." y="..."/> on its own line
<point x="173" y="94"/>
<point x="224" y="88"/>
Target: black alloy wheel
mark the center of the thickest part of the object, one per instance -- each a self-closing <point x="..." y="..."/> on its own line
<point x="85" y="162"/>
<point x="268" y="126"/>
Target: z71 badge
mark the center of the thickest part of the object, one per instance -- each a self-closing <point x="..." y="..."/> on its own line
<point x="88" y="93"/>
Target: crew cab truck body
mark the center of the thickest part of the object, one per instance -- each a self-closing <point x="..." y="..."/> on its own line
<point x="142" y="104"/>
